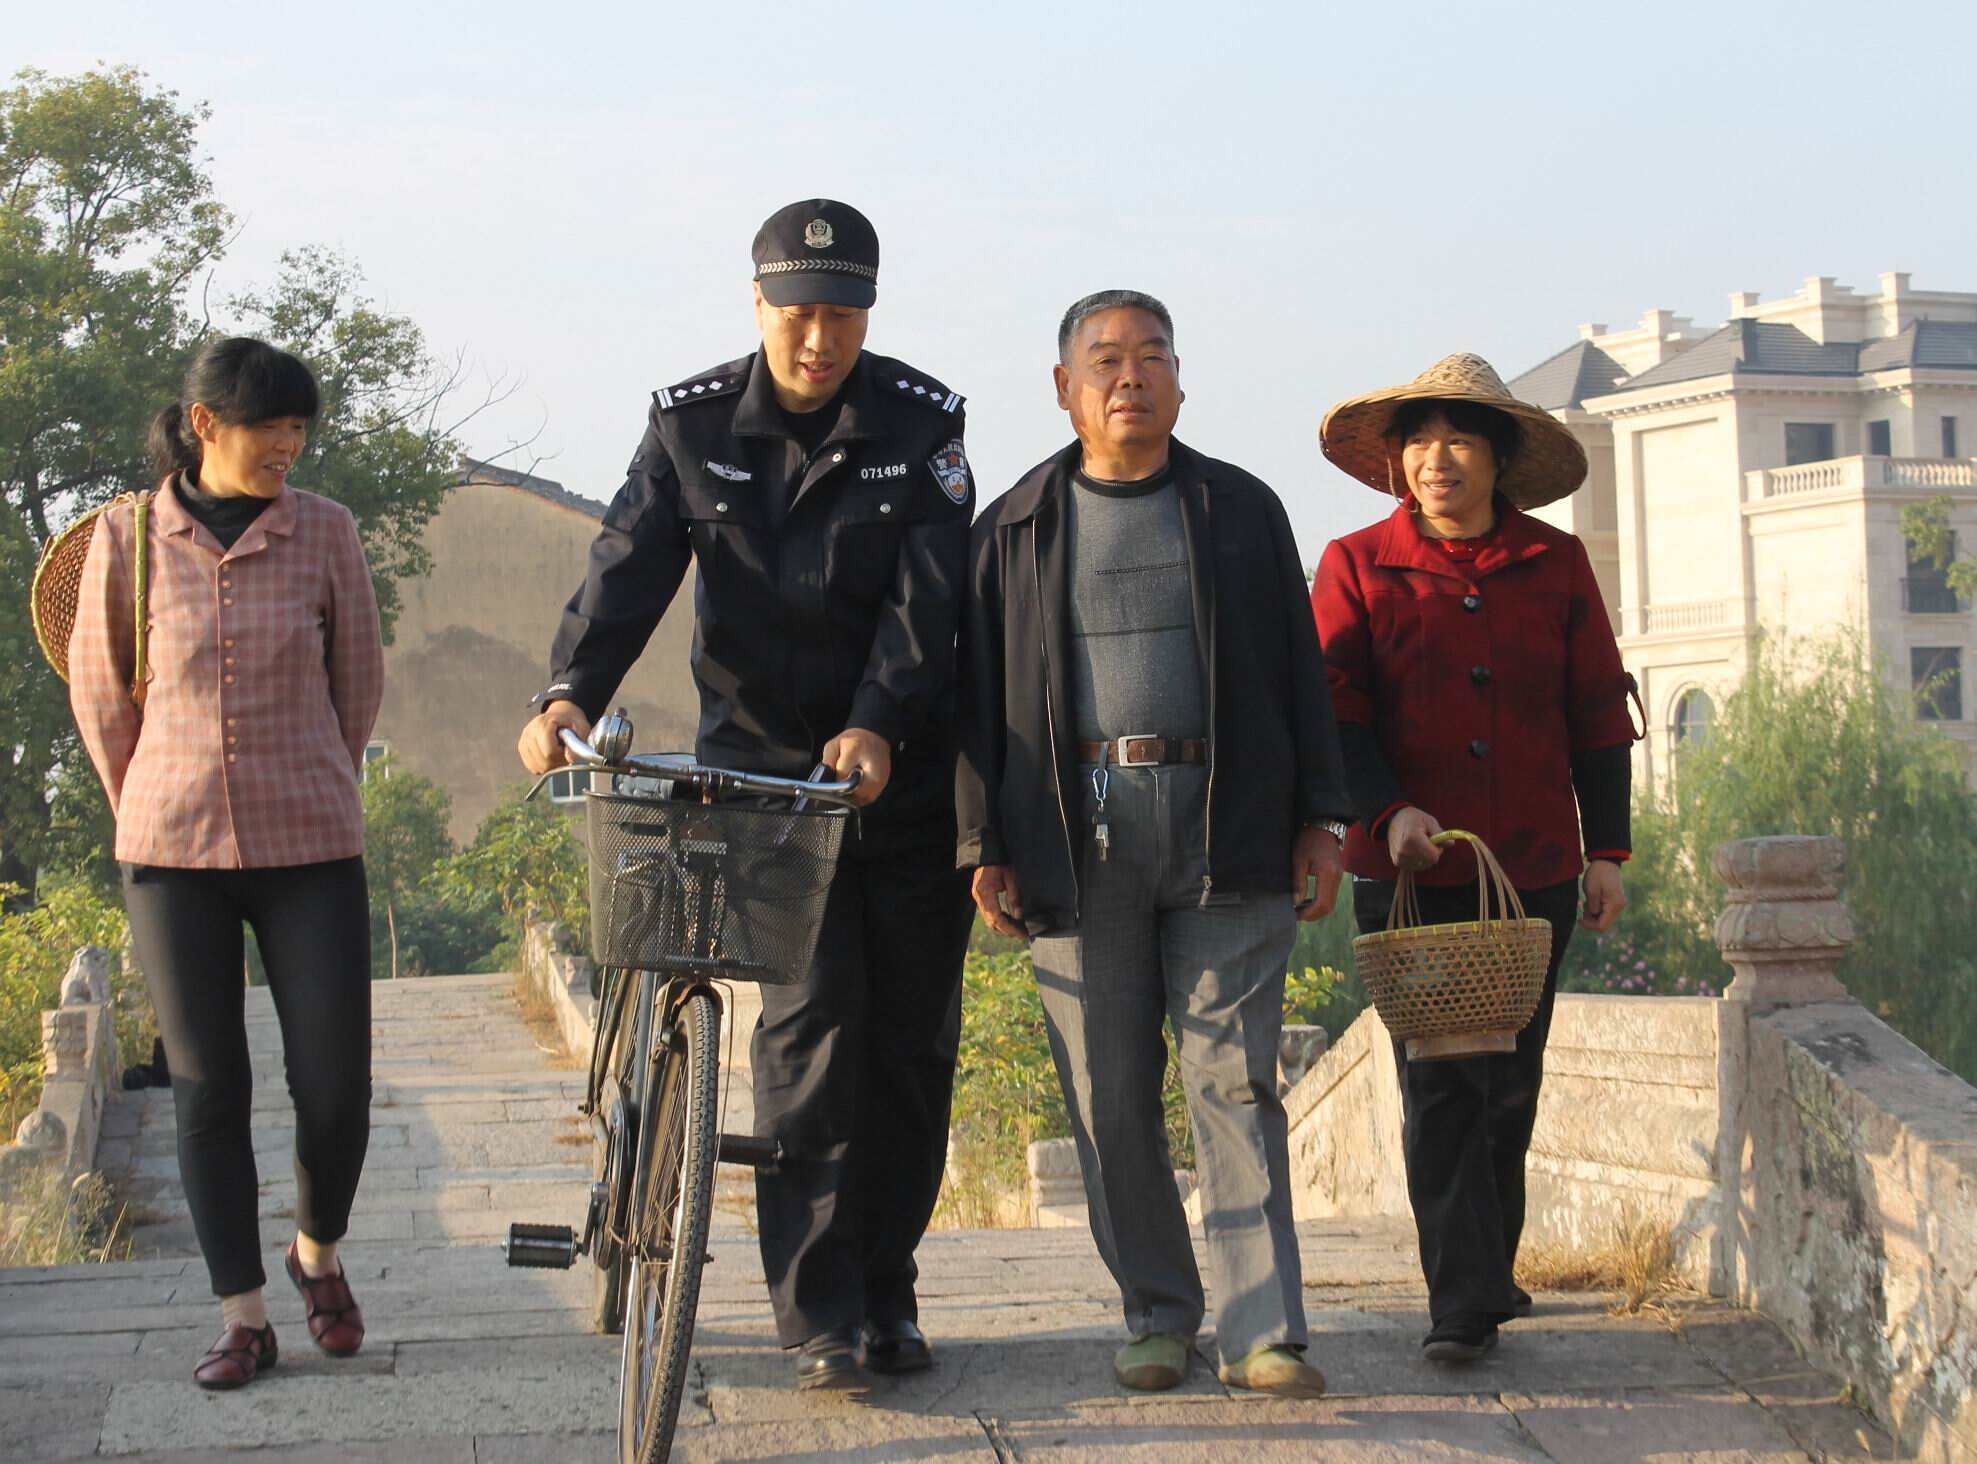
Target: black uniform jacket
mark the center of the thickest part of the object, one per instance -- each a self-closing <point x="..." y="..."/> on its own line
<point x="1274" y="756"/>
<point x="844" y="617"/>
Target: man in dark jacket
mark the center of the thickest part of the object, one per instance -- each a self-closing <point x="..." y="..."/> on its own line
<point x="825" y="496"/>
<point x="1150" y="778"/>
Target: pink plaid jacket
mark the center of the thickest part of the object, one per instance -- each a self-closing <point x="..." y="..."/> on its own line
<point x="266" y="673"/>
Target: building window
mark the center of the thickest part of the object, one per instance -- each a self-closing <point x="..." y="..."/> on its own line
<point x="1808" y="442"/>
<point x="1880" y="442"/>
<point x="1936" y="674"/>
<point x="1693" y="711"/>
<point x="376" y="751"/>
<point x="569" y="785"/>
<point x="1925" y="589"/>
<point x="1949" y="437"/>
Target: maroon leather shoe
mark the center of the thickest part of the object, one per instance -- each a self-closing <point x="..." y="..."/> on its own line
<point x="334" y="1319"/>
<point x="240" y="1356"/>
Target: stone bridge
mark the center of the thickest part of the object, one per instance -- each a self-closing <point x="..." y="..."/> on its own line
<point x="474" y="1124"/>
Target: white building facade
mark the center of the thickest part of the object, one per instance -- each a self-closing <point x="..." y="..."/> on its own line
<point x="1751" y="478"/>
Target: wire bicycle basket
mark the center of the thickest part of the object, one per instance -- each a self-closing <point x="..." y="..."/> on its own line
<point x="727" y="889"/>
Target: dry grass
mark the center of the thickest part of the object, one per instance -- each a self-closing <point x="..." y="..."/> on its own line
<point x="47" y="1222"/>
<point x="977" y="1195"/>
<point x="1636" y="1262"/>
<point x="539" y="1016"/>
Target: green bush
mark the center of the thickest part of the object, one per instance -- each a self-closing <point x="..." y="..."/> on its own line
<point x="1323" y="987"/>
<point x="440" y="935"/>
<point x="36" y="945"/>
<point x="525" y="856"/>
<point x="1814" y="741"/>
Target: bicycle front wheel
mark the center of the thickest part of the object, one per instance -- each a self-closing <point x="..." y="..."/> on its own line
<point x="673" y="1203"/>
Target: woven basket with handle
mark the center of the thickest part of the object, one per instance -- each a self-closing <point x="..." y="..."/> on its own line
<point x="1461" y="989"/>
<point x="58" y="585"/>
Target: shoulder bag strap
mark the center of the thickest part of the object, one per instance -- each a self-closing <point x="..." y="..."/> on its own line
<point x="141" y="577"/>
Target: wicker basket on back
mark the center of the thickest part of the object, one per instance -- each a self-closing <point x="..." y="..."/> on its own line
<point x="1462" y="989"/>
<point x="58" y="585"/>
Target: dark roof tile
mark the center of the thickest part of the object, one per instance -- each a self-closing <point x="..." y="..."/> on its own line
<point x="1579" y="371"/>
<point x="1745" y="346"/>
<point x="473" y="470"/>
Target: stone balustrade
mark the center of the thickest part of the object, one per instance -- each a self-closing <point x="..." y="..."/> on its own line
<point x="1807" y="1160"/>
<point x="1860" y="474"/>
<point x="79" y="1071"/>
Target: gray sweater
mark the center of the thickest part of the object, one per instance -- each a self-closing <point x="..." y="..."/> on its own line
<point x="1134" y="667"/>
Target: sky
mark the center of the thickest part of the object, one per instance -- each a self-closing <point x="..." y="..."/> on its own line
<point x="1328" y="198"/>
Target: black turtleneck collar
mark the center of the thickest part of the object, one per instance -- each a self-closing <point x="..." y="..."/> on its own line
<point x="226" y="517"/>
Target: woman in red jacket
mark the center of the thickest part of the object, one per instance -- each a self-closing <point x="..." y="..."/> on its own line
<point x="1477" y="686"/>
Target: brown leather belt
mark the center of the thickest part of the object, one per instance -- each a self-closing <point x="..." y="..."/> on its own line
<point x="1144" y="751"/>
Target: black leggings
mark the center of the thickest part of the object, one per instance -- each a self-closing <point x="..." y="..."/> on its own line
<point x="1466" y="1122"/>
<point x="312" y="922"/>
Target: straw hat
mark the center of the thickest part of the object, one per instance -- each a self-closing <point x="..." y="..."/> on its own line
<point x="1548" y="465"/>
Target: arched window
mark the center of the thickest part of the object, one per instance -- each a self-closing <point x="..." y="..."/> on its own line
<point x="1693" y="711"/>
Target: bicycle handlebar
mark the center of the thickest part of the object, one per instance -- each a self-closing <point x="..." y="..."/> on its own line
<point x="682" y="768"/>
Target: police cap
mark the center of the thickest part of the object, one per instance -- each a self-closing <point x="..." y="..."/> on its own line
<point x="818" y="252"/>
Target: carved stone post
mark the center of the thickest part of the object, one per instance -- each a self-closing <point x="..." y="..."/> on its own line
<point x="64" y="1044"/>
<point x="88" y="978"/>
<point x="1785" y="928"/>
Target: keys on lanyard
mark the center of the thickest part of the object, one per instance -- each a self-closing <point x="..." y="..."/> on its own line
<point x="1101" y="823"/>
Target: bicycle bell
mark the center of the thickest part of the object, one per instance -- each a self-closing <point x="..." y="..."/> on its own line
<point x="612" y="736"/>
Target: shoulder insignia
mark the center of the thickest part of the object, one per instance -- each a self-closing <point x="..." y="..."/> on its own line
<point x="724" y="381"/>
<point x="923" y="389"/>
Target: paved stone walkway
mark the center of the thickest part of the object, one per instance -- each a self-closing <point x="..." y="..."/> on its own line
<point x="474" y="1125"/>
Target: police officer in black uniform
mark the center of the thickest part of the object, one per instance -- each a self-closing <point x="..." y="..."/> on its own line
<point x="825" y="496"/>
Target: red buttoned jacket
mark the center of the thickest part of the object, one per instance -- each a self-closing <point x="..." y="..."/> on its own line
<point x="1480" y="678"/>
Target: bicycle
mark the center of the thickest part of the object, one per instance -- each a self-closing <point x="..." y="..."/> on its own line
<point x="684" y="895"/>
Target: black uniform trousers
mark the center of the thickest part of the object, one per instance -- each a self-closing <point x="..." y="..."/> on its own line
<point x="1466" y="1122"/>
<point x="313" y="925"/>
<point x="854" y="1074"/>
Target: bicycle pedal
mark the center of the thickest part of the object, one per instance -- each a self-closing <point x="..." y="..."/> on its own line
<point x="751" y="1152"/>
<point x="541" y="1247"/>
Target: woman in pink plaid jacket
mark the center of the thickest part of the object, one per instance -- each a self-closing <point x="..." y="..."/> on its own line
<point x="234" y="785"/>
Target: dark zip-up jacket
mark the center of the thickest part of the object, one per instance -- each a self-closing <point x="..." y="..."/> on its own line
<point x="843" y="614"/>
<point x="1274" y="763"/>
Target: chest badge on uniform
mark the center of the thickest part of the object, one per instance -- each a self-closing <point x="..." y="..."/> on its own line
<point x="817" y="234"/>
<point x="950" y="467"/>
<point x="733" y="475"/>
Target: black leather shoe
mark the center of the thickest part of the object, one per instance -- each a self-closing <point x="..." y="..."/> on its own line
<point x="829" y="1361"/>
<point x="894" y="1347"/>
<point x="1520" y="1302"/>
<point x="1463" y="1337"/>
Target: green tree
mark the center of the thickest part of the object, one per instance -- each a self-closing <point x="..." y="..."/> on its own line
<point x="1926" y="525"/>
<point x="107" y="223"/>
<point x="526" y="855"/>
<point x="106" y="215"/>
<point x="405" y="837"/>
<point x="1814" y="741"/>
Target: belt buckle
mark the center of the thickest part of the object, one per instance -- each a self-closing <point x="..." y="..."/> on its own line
<point x="1124" y="760"/>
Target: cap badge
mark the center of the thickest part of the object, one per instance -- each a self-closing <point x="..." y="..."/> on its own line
<point x="817" y="234"/>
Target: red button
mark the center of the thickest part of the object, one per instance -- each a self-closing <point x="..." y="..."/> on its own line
<point x="232" y="759"/>
<point x="226" y="600"/>
<point x="229" y="660"/>
<point x="227" y="679"/>
<point x="232" y="740"/>
<point x="227" y="644"/>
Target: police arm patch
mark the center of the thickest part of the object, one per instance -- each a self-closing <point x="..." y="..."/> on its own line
<point x="950" y="467"/>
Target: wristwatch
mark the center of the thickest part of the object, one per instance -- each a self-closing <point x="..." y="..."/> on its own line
<point x="1333" y="827"/>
